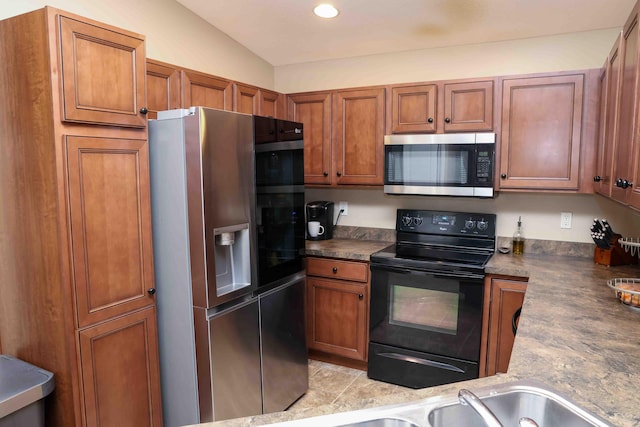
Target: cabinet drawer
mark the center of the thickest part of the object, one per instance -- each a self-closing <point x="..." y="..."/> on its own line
<point x="338" y="269"/>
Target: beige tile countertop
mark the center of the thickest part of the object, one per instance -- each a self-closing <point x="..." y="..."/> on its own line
<point x="573" y="335"/>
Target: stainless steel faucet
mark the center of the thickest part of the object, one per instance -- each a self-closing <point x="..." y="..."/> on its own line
<point x="467" y="398"/>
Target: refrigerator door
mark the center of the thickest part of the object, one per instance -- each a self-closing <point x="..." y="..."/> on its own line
<point x="285" y="372"/>
<point x="221" y="199"/>
<point x="234" y="346"/>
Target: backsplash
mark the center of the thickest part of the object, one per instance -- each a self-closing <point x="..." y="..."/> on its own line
<point x="531" y="246"/>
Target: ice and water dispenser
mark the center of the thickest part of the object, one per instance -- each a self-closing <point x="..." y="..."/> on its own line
<point x="233" y="254"/>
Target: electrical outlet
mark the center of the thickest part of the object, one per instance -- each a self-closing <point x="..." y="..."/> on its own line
<point x="565" y="220"/>
<point x="344" y="207"/>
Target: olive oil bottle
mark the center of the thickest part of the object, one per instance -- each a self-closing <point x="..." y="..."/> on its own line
<point x="518" y="239"/>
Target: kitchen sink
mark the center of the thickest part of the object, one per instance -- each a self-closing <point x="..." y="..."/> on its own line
<point x="510" y="404"/>
<point x="508" y="401"/>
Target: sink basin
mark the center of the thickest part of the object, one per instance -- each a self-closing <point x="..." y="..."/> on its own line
<point x="382" y="422"/>
<point x="511" y="403"/>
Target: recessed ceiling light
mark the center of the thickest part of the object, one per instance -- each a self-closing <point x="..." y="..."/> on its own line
<point x="325" y="10"/>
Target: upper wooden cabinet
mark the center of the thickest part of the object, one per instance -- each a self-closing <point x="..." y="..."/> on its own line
<point x="541" y="132"/>
<point x="456" y="106"/>
<point x="313" y="110"/>
<point x="103" y="74"/>
<point x="358" y="136"/>
<point x="204" y="90"/>
<point x="245" y="99"/>
<point x="163" y="87"/>
<point x="413" y="108"/>
<point x="468" y="106"/>
<point x="271" y="104"/>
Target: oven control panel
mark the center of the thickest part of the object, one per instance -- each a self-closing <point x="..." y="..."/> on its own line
<point x="446" y="223"/>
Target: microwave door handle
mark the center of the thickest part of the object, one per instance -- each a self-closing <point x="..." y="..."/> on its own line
<point x="422" y="361"/>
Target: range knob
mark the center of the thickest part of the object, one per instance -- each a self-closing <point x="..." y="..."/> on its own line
<point x="482" y="225"/>
<point x="406" y="221"/>
<point x="417" y="220"/>
<point x="469" y="224"/>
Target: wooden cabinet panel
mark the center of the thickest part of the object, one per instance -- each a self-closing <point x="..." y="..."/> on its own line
<point x="338" y="269"/>
<point x="413" y="108"/>
<point x="271" y="104"/>
<point x="203" y="90"/>
<point x="103" y="74"/>
<point x="313" y="110"/>
<point x="506" y="300"/>
<point x="121" y="371"/>
<point x="468" y="106"/>
<point x="337" y="317"/>
<point x="245" y="99"/>
<point x="541" y="132"/>
<point x="109" y="200"/>
<point x="358" y="132"/>
<point x="163" y="88"/>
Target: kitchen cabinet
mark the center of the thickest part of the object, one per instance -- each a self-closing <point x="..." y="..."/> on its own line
<point x="609" y="80"/>
<point x="542" y="120"/>
<point x="204" y="90"/>
<point x="163" y="87"/>
<point x="313" y="110"/>
<point x="503" y="301"/>
<point x="358" y="136"/>
<point x="338" y="307"/>
<point x="271" y="104"/>
<point x="77" y="283"/>
<point x="452" y="106"/>
<point x="245" y="99"/>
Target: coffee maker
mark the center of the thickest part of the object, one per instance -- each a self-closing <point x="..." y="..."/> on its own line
<point x="321" y="211"/>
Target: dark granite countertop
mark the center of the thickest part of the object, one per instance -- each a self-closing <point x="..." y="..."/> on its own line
<point x="573" y="335"/>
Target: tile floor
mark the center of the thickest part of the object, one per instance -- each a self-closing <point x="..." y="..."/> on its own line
<point x="330" y="383"/>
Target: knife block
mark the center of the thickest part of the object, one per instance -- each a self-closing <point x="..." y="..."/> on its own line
<point x="615" y="255"/>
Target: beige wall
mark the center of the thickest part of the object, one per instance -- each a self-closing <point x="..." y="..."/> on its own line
<point x="173" y="35"/>
<point x="565" y="52"/>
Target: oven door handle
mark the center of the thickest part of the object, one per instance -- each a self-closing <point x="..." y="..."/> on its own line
<point x="457" y="274"/>
<point x="421" y="361"/>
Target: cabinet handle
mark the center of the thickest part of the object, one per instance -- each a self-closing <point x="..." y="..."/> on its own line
<point x="623" y="183"/>
<point x="597" y="178"/>
<point x="339" y="173"/>
<point x="430" y="120"/>
<point x="151" y="291"/>
<point x="514" y="320"/>
<point x="144" y="110"/>
<point x="447" y="120"/>
<point x="503" y="176"/>
<point x="335" y="270"/>
<point x="325" y="173"/>
<point x="360" y="296"/>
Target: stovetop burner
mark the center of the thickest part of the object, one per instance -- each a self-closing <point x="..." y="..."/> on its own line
<point x="441" y="241"/>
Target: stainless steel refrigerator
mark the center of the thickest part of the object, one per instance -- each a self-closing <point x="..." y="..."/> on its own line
<point x="202" y="164"/>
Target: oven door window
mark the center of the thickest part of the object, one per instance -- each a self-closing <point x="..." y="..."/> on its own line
<point x="279" y="164"/>
<point x="430" y="165"/>
<point x="426" y="309"/>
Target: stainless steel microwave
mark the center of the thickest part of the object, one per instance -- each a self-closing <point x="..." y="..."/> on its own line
<point x="460" y="164"/>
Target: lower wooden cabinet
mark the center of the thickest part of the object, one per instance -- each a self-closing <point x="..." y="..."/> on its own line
<point x="338" y="309"/>
<point x="121" y="371"/>
<point x="506" y="295"/>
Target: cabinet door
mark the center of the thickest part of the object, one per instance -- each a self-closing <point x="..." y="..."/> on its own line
<point x="203" y="90"/>
<point x="506" y="300"/>
<point x="413" y="108"/>
<point x="313" y="110"/>
<point x="608" y="132"/>
<point x="103" y="74"/>
<point x="358" y="136"/>
<point x="163" y="88"/>
<point x="468" y="106"/>
<point x="111" y="226"/>
<point x="271" y="104"/>
<point x="120" y="372"/>
<point x="541" y="132"/>
<point x="337" y="317"/>
<point x="245" y="99"/>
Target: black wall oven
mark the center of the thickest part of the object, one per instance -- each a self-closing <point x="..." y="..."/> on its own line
<point x="427" y="299"/>
<point x="280" y="198"/>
